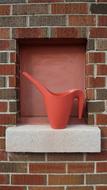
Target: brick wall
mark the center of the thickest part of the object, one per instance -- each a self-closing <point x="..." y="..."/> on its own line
<point x="57" y="19"/>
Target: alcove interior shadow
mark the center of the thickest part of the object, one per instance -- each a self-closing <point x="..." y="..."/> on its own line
<point x="59" y="64"/>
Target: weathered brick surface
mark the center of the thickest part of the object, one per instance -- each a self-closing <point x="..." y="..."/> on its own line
<point x="26" y="157"/>
<point x="30" y="9"/>
<point x="11" y="1"/>
<point x="46" y="188"/>
<point x="12" y="188"/>
<point x="80" y="188"/>
<point x="96" y="106"/>
<point x="101" y="166"/>
<point x="96" y="179"/>
<point x="98" y="57"/>
<point x="65" y="157"/>
<point x="3" y="57"/>
<point x="8" y="94"/>
<point x="7" y="69"/>
<point x="28" y="179"/>
<point x="3" y="106"/>
<point x="29" y="33"/>
<point x="47" y="168"/>
<point x="102" y="20"/>
<point x="102" y="94"/>
<point x="98" y="8"/>
<point x="47" y="21"/>
<point x="102" y="69"/>
<point x="4" y="33"/>
<point x="12" y="21"/>
<point x="2" y="81"/>
<point x="81" y="168"/>
<point x="66" y="179"/>
<point x="4" y="179"/>
<point x="69" y="32"/>
<point x="101" y="44"/>
<point x="95" y="82"/>
<point x="4" y="9"/>
<point x="70" y="8"/>
<point x="98" y="33"/>
<point x="13" y="167"/>
<point x="8" y="119"/>
<point x="82" y="20"/>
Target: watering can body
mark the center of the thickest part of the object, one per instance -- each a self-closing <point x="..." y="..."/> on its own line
<point x="58" y="105"/>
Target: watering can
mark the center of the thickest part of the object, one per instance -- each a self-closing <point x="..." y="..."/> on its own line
<point x="58" y="105"/>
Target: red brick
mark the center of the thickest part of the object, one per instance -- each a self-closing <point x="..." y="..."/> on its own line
<point x="2" y="144"/>
<point x="104" y="144"/>
<point x="102" y="20"/>
<point x="46" y="188"/>
<point x="101" y="44"/>
<point x="4" y="179"/>
<point x="7" y="69"/>
<point x="4" y="33"/>
<point x="103" y="131"/>
<point x="101" y="0"/>
<point x="2" y="131"/>
<point x="28" y="179"/>
<point x="90" y="94"/>
<point x="98" y="33"/>
<point x="101" y="187"/>
<point x="9" y="167"/>
<point x="68" y="32"/>
<point x="101" y="167"/>
<point x="89" y="69"/>
<point x="65" y="157"/>
<point x="97" y="57"/>
<point x="12" y="188"/>
<point x="80" y="188"/>
<point x="101" y="119"/>
<point x="66" y="179"/>
<point x="80" y="167"/>
<point x="90" y="120"/>
<point x="45" y="1"/>
<point x="24" y="9"/>
<point x="97" y="156"/>
<point x="12" y="81"/>
<point x="71" y="8"/>
<point x="85" y="20"/>
<point x="13" y="57"/>
<point x="3" y="156"/>
<point x="96" y="179"/>
<point x="101" y="69"/>
<point x="3" y="106"/>
<point x="4" y="9"/>
<point x="4" y="44"/>
<point x="26" y="157"/>
<point x="13" y="21"/>
<point x="95" y="82"/>
<point x="8" y="119"/>
<point x="29" y="32"/>
<point x="47" y="168"/>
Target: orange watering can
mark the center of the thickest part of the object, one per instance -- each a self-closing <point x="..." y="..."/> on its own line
<point x="59" y="105"/>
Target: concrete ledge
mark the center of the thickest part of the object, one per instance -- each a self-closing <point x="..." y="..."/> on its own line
<point x="42" y="138"/>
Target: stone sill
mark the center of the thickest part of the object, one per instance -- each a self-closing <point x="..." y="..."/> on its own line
<point x="42" y="138"/>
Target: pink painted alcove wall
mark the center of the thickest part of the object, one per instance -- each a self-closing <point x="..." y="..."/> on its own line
<point x="58" y="66"/>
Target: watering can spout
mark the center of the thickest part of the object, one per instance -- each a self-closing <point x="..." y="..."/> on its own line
<point x="44" y="91"/>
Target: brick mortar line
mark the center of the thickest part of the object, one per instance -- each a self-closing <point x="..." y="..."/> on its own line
<point x="50" y="162"/>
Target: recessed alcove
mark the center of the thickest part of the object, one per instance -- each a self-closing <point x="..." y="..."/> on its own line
<point x="59" y="64"/>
